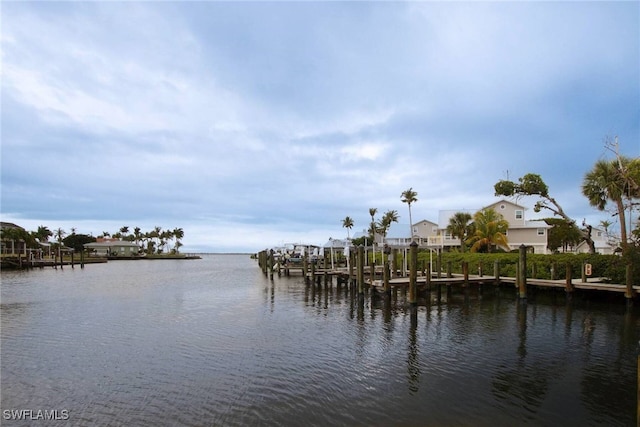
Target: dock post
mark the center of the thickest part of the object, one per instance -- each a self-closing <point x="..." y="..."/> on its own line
<point x="496" y="272"/>
<point x="372" y="265"/>
<point x="386" y="273"/>
<point x="82" y="259"/>
<point x="554" y="269"/>
<point x="480" y="269"/>
<point x="568" y="281"/>
<point x="522" y="272"/>
<point x="72" y="266"/>
<point x="449" y="275"/>
<point x="439" y="264"/>
<point x="428" y="277"/>
<point x="360" y="263"/>
<point x="629" y="290"/>
<point x="394" y="262"/>
<point x="534" y="270"/>
<point x="305" y="269"/>
<point x="325" y="263"/>
<point x="583" y="273"/>
<point x="270" y="264"/>
<point x="413" y="272"/>
<point x="351" y="262"/>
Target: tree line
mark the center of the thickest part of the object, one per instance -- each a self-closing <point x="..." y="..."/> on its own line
<point x="155" y="241"/>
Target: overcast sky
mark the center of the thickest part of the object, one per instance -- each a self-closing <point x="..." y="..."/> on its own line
<point x="251" y="124"/>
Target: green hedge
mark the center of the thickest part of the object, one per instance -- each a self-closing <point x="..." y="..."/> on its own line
<point x="611" y="267"/>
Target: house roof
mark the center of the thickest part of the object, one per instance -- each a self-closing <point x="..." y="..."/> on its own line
<point x="335" y="243"/>
<point x="398" y="231"/>
<point x="10" y="225"/>
<point x="503" y="201"/>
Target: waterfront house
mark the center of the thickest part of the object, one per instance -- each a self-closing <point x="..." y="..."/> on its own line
<point x="531" y="233"/>
<point x="112" y="248"/>
<point x="11" y="244"/>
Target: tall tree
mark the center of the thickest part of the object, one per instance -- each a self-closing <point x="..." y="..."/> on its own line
<point x="409" y="196"/>
<point x="373" y="228"/>
<point x="385" y="223"/>
<point x="347" y="223"/>
<point x="43" y="233"/>
<point x="562" y="234"/>
<point x="533" y="185"/>
<point x="609" y="181"/>
<point x="490" y="229"/>
<point x="178" y="234"/>
<point x="459" y="227"/>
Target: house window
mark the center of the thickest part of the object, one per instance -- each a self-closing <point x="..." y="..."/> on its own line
<point x="519" y="214"/>
<point x="540" y="231"/>
<point x="599" y="234"/>
<point x="502" y="207"/>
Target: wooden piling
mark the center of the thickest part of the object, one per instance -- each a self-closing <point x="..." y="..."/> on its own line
<point x="82" y="259"/>
<point x="522" y="273"/>
<point x="360" y="268"/>
<point x="305" y="268"/>
<point x="413" y="273"/>
<point x="394" y="262"/>
<point x="449" y="274"/>
<point x="568" y="280"/>
<point x="270" y="264"/>
<point x="372" y="266"/>
<point x="496" y="272"/>
<point x="628" y="278"/>
<point x="386" y="273"/>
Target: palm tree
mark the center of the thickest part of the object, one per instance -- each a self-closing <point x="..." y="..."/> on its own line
<point x="459" y="227"/>
<point x="43" y="233"/>
<point x="490" y="230"/>
<point x="387" y="218"/>
<point x="372" y="230"/>
<point x="607" y="181"/>
<point x="347" y="223"/>
<point x="409" y="196"/>
<point x="178" y="234"/>
<point x="59" y="234"/>
<point x="137" y="235"/>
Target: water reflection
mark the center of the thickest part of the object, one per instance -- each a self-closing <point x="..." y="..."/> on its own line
<point x="545" y="364"/>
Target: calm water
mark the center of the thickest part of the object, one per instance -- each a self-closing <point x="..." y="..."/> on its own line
<point x="214" y="342"/>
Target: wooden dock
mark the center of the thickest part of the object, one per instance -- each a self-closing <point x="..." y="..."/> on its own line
<point x="386" y="278"/>
<point x="592" y="284"/>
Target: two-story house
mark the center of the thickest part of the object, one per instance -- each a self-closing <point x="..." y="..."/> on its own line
<point x="432" y="235"/>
